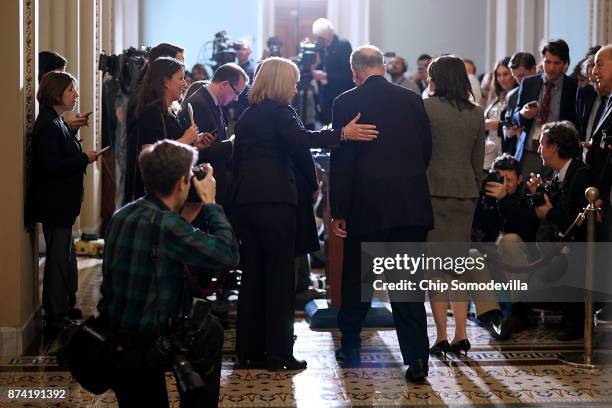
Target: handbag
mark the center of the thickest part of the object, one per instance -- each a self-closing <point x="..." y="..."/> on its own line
<point x="90" y="353"/>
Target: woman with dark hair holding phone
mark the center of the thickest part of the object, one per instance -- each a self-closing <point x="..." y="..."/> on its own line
<point x="159" y="117"/>
<point x="58" y="165"/>
<point x="503" y="82"/>
<point x="455" y="176"/>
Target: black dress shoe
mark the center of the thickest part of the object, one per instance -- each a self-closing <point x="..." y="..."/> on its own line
<point x="348" y="355"/>
<point x="460" y="347"/>
<point x="509" y="326"/>
<point x="253" y="360"/>
<point x="276" y="363"/>
<point x="440" y="348"/>
<point x="570" y="334"/>
<point x="417" y="371"/>
<point x="75" y="313"/>
<point x="490" y="316"/>
<point x="55" y="326"/>
<point x="499" y="327"/>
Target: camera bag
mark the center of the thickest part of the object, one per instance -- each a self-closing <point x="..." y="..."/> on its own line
<point x="90" y="353"/>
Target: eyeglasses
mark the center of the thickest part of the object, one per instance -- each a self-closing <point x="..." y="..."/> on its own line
<point x="234" y="89"/>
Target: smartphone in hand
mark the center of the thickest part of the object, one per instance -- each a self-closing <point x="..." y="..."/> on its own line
<point x="99" y="152"/>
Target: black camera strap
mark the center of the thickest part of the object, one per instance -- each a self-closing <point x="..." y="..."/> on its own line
<point x="155" y="222"/>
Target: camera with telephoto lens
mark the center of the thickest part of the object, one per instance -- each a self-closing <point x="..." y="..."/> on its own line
<point x="274" y="50"/>
<point x="492" y="176"/>
<point x="176" y="348"/>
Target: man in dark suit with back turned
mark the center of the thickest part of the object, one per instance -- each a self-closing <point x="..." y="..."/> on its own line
<point x="379" y="193"/>
<point x="227" y="83"/>
<point x="555" y="94"/>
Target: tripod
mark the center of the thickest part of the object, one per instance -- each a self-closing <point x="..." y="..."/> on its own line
<point x="305" y="102"/>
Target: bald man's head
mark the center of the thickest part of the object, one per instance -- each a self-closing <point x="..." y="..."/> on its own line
<point x="367" y="60"/>
<point x="603" y="70"/>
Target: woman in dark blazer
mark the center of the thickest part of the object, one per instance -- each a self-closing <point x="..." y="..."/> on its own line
<point x="57" y="190"/>
<point x="270" y="152"/>
<point x="158" y="117"/>
<point x="455" y="176"/>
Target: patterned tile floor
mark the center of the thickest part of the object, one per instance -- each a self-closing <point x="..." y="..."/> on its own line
<point x="523" y="372"/>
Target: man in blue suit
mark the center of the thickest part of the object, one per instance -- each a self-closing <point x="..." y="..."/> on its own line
<point x="548" y="97"/>
<point x="379" y="193"/>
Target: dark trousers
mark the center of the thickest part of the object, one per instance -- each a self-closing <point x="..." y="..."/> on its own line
<point x="302" y="273"/>
<point x="410" y="318"/>
<point x="139" y="385"/>
<point x="60" y="282"/>
<point x="266" y="304"/>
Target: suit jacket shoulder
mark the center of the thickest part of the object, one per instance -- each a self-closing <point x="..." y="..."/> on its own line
<point x="458" y="149"/>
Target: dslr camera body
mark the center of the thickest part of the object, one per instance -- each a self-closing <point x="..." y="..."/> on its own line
<point x="199" y="171"/>
<point x="550" y="188"/>
<point x="495" y="177"/>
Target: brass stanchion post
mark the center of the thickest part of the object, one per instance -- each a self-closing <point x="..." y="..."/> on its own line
<point x="589" y="359"/>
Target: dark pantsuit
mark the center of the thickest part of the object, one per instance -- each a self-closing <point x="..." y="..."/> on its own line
<point x="267" y="294"/>
<point x="60" y="282"/>
<point x="410" y="319"/>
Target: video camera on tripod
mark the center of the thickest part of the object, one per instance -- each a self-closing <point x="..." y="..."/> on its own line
<point x="306" y="58"/>
<point x="224" y="50"/>
<point x="124" y="68"/>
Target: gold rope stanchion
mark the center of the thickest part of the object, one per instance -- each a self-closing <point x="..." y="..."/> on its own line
<point x="588" y="358"/>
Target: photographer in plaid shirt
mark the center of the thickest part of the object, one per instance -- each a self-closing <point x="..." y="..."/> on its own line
<point x="144" y="290"/>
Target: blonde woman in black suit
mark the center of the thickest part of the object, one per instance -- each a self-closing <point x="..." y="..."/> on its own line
<point x="271" y="146"/>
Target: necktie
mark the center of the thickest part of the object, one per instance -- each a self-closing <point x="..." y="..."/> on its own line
<point x="545" y="107"/>
<point x="600" y="110"/>
<point x="221" y="120"/>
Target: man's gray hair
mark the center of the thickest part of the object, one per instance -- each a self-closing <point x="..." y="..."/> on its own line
<point x="367" y="56"/>
<point x="321" y="25"/>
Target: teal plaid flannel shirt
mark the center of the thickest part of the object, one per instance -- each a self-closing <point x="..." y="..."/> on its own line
<point x="129" y="291"/>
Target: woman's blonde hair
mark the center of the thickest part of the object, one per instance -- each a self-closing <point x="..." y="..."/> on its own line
<point x="275" y="79"/>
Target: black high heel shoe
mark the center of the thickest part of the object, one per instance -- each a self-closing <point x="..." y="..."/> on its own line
<point x="440" y="348"/>
<point x="276" y="363"/>
<point x="460" y="346"/>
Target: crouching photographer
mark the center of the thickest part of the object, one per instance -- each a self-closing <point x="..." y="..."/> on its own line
<point x="504" y="205"/>
<point x="145" y="294"/>
<point x="505" y="215"/>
